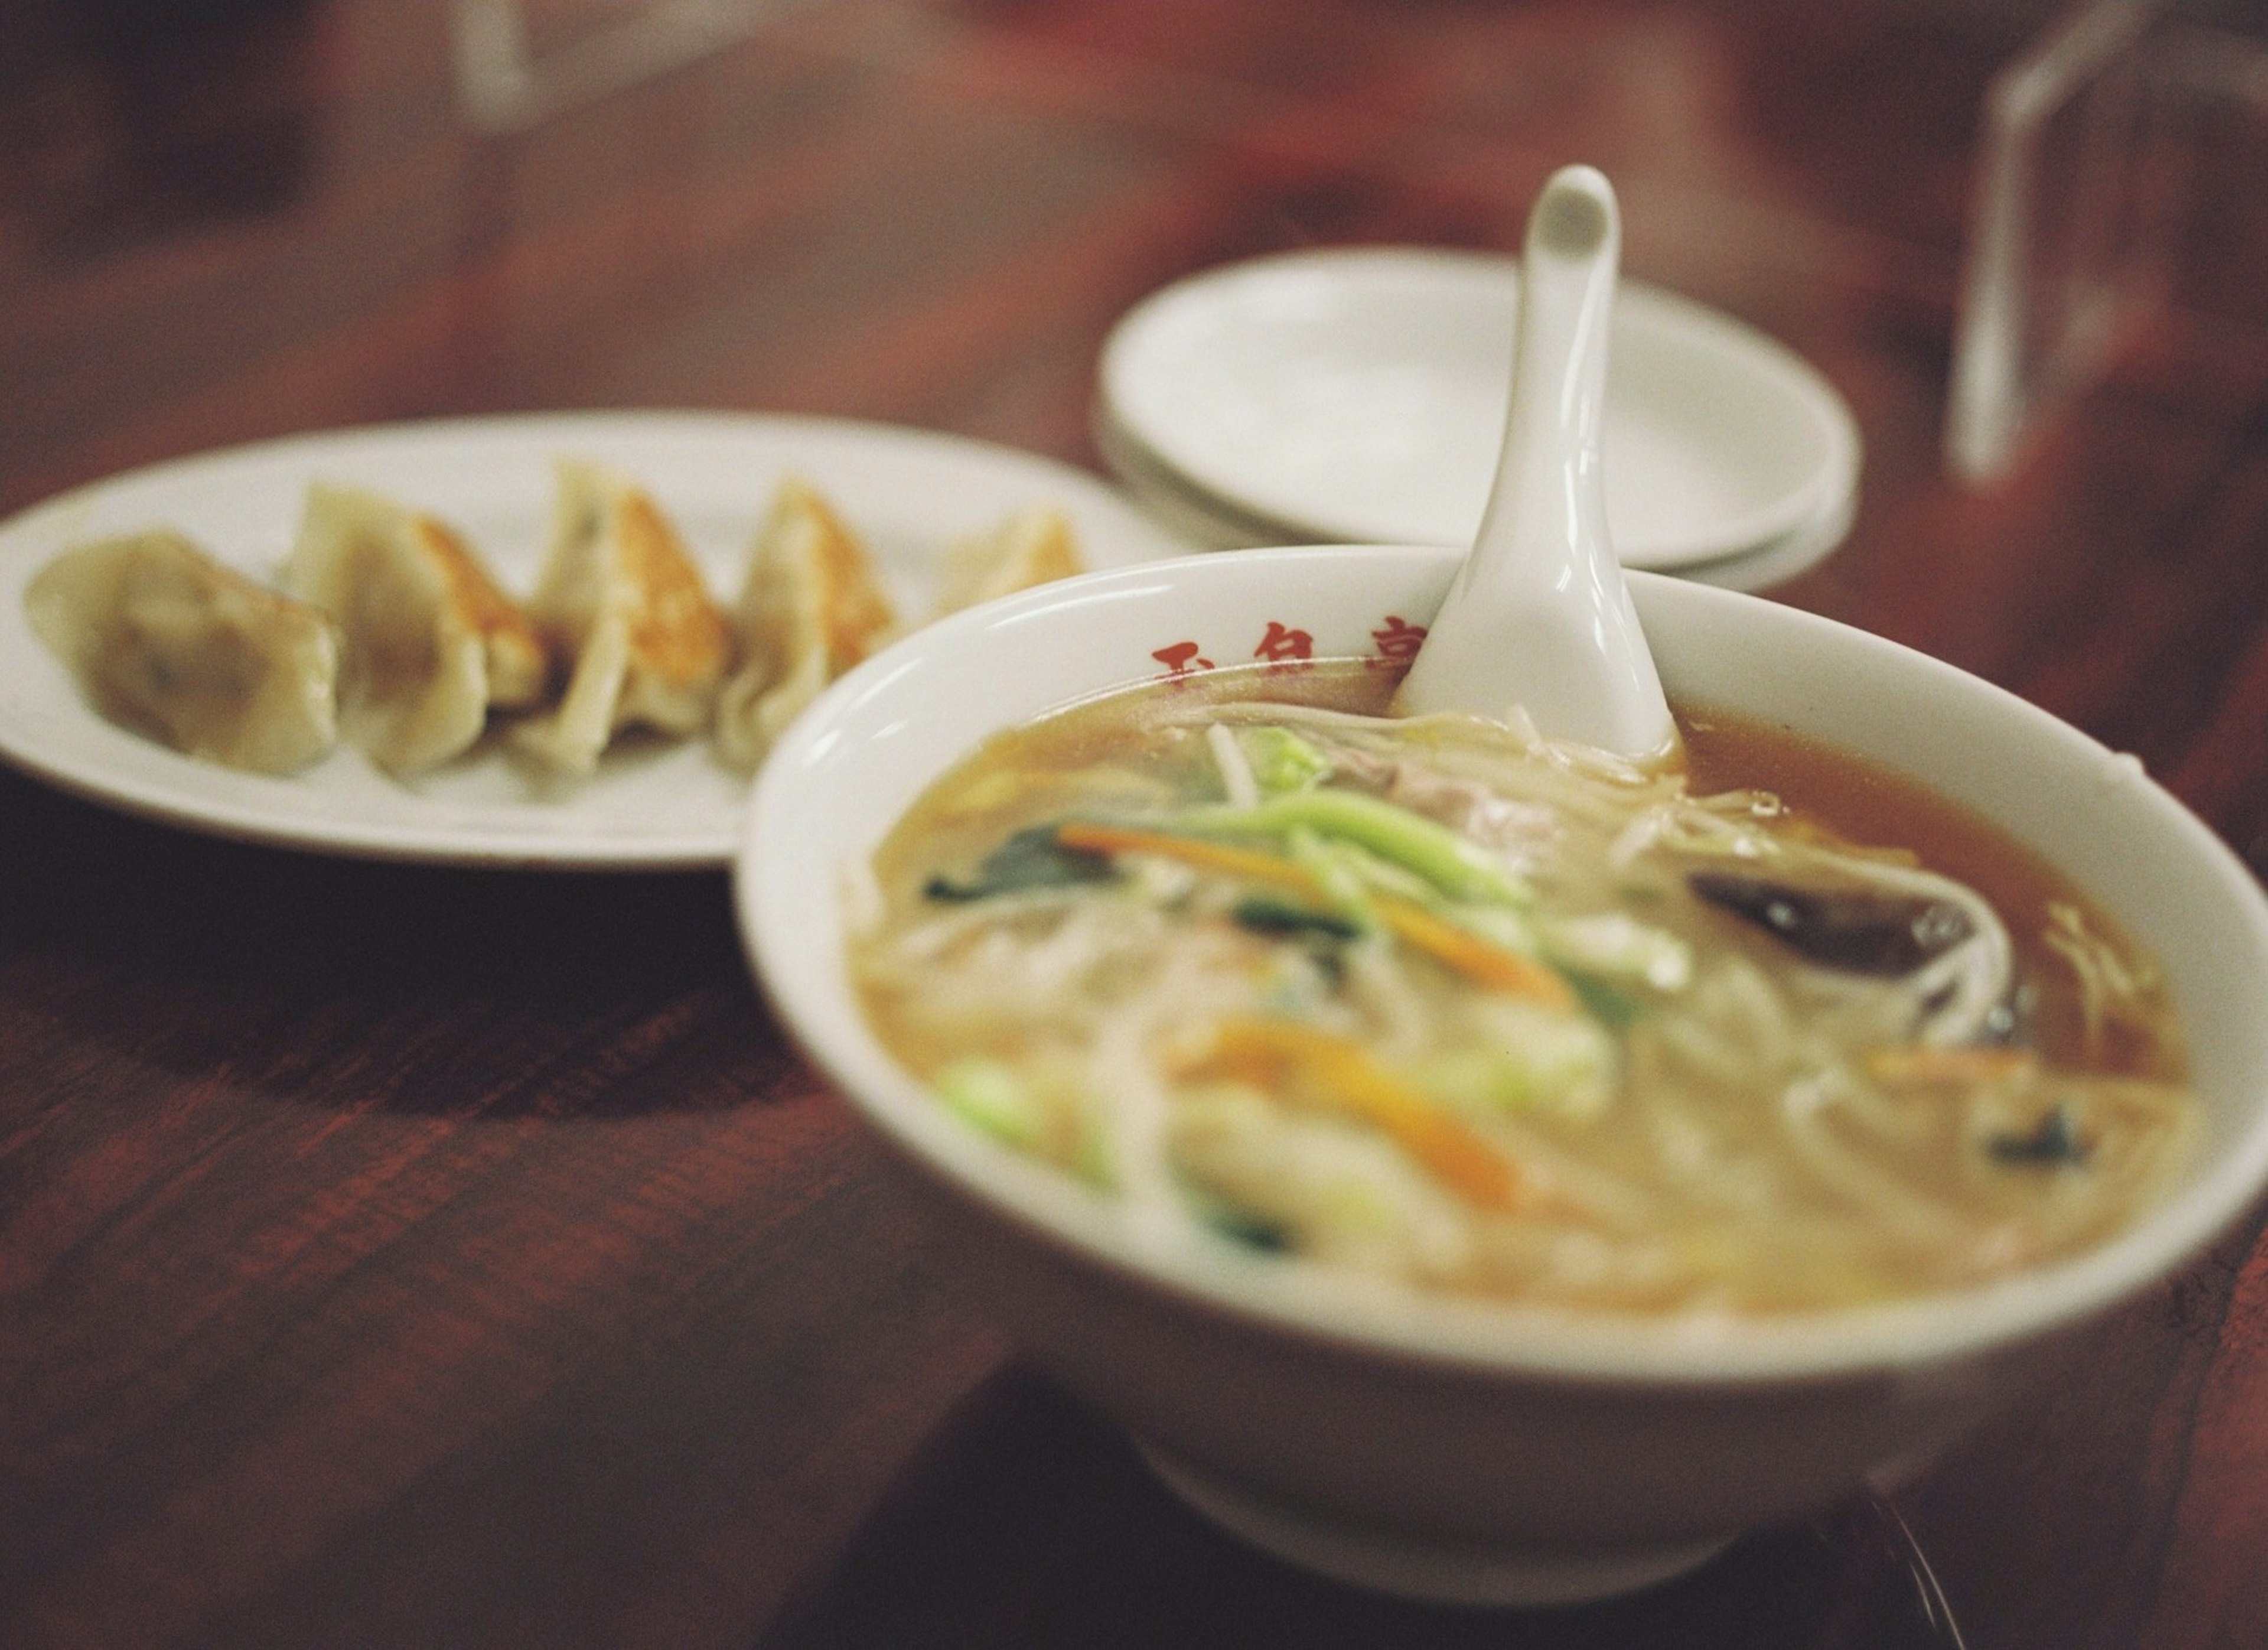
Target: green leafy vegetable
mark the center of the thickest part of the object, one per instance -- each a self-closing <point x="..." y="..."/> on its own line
<point x="987" y="1095"/>
<point x="1458" y="868"/>
<point x="1254" y="1231"/>
<point x="1282" y="762"/>
<point x="1611" y="1008"/>
<point x="1032" y="858"/>
<point x="1265" y="916"/>
<point x="2055" y="1139"/>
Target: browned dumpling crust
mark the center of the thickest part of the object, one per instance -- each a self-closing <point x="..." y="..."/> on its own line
<point x="627" y="616"/>
<point x="518" y="669"/>
<point x="432" y="642"/>
<point x="1032" y="546"/>
<point x="812" y="606"/>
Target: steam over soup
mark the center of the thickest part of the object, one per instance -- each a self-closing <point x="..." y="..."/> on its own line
<point x="1440" y="999"/>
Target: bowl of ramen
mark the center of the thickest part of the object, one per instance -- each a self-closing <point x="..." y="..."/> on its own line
<point x="1473" y="1166"/>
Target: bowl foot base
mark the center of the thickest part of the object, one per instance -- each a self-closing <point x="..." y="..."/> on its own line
<point x="1441" y="1573"/>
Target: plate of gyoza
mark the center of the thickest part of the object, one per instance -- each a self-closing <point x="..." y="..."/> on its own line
<point x="552" y="641"/>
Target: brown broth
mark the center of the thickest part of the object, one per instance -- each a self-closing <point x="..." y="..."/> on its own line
<point x="1865" y="803"/>
<point x="1966" y="1154"/>
<point x="1845" y="796"/>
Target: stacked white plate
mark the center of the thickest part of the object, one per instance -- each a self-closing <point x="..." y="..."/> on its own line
<point x="1358" y="396"/>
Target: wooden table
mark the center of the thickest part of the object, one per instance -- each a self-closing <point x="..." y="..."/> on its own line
<point x="399" y="1255"/>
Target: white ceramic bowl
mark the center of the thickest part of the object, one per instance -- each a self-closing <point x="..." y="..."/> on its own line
<point x="1449" y="1448"/>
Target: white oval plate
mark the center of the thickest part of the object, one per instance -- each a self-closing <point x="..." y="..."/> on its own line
<point x="1359" y="395"/>
<point x="653" y="804"/>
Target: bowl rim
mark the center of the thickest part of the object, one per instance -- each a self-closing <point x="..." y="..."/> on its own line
<point x="1380" y="1319"/>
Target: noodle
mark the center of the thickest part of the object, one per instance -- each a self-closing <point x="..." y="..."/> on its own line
<point x="1444" y="1000"/>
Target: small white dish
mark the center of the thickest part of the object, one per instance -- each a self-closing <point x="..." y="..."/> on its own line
<point x="1213" y="525"/>
<point x="1779" y="560"/>
<point x="651" y="805"/>
<point x="1359" y="394"/>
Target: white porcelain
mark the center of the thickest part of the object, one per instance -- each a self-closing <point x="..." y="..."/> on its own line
<point x="1539" y="615"/>
<point x="1210" y="524"/>
<point x="1451" y="1448"/>
<point x="910" y="492"/>
<point x="1782" y="559"/>
<point x="1358" y="395"/>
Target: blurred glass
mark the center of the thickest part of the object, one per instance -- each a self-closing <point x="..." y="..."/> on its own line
<point x="520" y="61"/>
<point x="2112" y="152"/>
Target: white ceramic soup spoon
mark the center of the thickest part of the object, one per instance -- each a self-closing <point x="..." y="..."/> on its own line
<point x="1539" y="616"/>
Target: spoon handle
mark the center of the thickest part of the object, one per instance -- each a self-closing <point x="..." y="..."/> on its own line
<point x="1540" y="614"/>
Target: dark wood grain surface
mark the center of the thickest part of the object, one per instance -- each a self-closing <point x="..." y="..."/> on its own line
<point x="395" y="1255"/>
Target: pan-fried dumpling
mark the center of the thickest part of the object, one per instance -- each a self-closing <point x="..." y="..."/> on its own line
<point x="167" y="641"/>
<point x="1030" y="548"/>
<point x="620" y="597"/>
<point x="432" y="643"/>
<point x="812" y="609"/>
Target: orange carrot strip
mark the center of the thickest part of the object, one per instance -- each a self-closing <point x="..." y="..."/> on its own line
<point x="1478" y="959"/>
<point x="1947" y="1065"/>
<point x="1268" y="1051"/>
<point x="1206" y="855"/>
